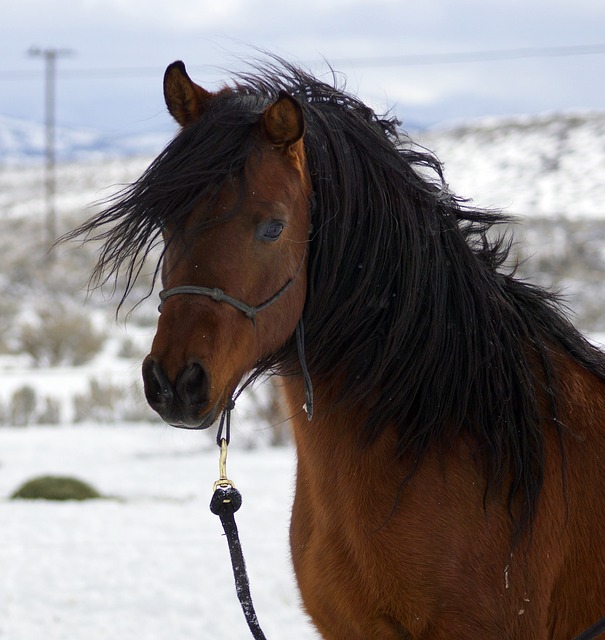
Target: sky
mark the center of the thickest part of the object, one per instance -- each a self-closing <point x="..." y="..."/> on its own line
<point x="116" y="51"/>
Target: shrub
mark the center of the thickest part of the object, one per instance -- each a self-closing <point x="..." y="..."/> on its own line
<point x="130" y="350"/>
<point x="98" y="404"/>
<point x="22" y="407"/>
<point x="55" y="488"/>
<point x="50" y="413"/>
<point x="106" y="402"/>
<point x="8" y="311"/>
<point x="60" y="335"/>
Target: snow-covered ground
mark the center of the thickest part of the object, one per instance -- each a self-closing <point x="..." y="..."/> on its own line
<point x="151" y="563"/>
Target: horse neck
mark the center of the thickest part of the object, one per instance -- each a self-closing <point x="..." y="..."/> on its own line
<point x="330" y="443"/>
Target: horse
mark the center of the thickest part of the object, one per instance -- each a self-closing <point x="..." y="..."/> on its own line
<point x="450" y="481"/>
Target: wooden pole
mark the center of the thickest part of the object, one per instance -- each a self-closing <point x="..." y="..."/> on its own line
<point x="50" y="72"/>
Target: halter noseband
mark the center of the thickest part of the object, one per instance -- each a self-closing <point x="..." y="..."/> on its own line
<point x="218" y="295"/>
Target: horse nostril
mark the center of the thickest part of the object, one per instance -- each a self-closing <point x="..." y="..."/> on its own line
<point x="158" y="390"/>
<point x="183" y="402"/>
<point x="192" y="385"/>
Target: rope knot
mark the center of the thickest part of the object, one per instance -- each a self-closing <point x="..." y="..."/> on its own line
<point x="217" y="294"/>
<point x="226" y="499"/>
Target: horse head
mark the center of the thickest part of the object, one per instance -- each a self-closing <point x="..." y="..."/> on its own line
<point x="243" y="247"/>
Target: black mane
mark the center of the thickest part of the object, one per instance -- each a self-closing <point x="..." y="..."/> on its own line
<point x="409" y="307"/>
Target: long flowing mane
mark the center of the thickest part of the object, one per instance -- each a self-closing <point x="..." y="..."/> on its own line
<point x="409" y="308"/>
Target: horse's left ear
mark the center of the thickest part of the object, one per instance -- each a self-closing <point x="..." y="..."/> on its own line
<point x="283" y="122"/>
<point x="185" y="100"/>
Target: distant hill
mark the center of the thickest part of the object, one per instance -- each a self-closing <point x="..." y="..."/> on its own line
<point x="553" y="164"/>
<point x="539" y="166"/>
<point x="549" y="165"/>
<point x="23" y="142"/>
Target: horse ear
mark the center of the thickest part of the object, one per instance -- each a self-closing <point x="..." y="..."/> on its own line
<point x="185" y="99"/>
<point x="283" y="122"/>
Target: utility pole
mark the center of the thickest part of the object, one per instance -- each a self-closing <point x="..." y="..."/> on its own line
<point x="50" y="71"/>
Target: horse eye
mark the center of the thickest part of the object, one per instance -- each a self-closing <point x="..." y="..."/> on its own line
<point x="272" y="230"/>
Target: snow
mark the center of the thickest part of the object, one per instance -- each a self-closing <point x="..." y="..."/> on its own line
<point x="546" y="165"/>
<point x="62" y="383"/>
<point x="598" y="339"/>
<point x="151" y="562"/>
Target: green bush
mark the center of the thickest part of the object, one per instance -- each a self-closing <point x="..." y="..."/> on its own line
<point x="55" y="488"/>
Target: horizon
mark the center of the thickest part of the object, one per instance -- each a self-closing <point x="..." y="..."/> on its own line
<point x="23" y="142"/>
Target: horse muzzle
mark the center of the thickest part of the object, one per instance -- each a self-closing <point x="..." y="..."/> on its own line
<point x="184" y="403"/>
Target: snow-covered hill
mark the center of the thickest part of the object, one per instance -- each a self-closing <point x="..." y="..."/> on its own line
<point x="23" y="142"/>
<point x="550" y="165"/>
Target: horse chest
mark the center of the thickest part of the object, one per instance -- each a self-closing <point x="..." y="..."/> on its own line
<point x="379" y="557"/>
<point x="344" y="587"/>
<point x="348" y="553"/>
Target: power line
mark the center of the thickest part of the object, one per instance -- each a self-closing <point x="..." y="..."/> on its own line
<point x="452" y="57"/>
<point x="475" y="56"/>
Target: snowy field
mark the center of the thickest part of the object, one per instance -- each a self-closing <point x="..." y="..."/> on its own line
<point x="151" y="563"/>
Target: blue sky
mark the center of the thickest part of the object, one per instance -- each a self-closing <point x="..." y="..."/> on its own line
<point x="112" y="82"/>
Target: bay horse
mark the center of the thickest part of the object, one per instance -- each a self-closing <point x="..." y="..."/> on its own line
<point x="451" y="484"/>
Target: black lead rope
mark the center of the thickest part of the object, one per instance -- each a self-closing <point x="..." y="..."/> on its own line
<point x="595" y="631"/>
<point x="226" y="500"/>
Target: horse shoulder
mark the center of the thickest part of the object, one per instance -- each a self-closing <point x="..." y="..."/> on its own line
<point x="375" y="549"/>
<point x="579" y="591"/>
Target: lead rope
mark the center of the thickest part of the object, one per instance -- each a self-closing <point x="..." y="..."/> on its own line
<point x="595" y="631"/>
<point x="226" y="500"/>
